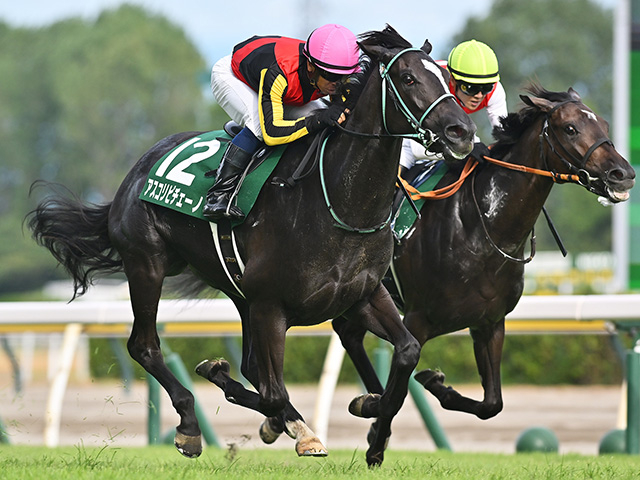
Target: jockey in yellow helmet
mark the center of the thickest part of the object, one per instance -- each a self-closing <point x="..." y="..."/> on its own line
<point x="475" y="82"/>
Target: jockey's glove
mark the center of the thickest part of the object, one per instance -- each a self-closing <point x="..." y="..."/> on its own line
<point x="480" y="150"/>
<point x="325" y="117"/>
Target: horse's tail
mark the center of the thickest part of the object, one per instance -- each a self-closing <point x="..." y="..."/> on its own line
<point x="77" y="235"/>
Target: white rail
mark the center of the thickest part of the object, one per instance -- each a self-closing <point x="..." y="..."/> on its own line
<point x="530" y="307"/>
<point x="579" y="313"/>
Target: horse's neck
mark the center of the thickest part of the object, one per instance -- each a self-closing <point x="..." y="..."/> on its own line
<point x="511" y="201"/>
<point x="359" y="170"/>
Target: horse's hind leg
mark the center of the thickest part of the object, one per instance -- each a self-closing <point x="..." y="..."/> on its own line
<point x="289" y="420"/>
<point x="263" y="355"/>
<point x="352" y="337"/>
<point x="145" y="284"/>
<point x="487" y="346"/>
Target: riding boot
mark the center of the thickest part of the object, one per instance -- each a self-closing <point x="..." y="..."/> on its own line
<point x="233" y="163"/>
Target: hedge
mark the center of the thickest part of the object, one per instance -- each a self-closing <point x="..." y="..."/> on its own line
<point x="527" y="359"/>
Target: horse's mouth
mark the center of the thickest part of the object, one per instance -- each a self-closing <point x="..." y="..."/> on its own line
<point x="450" y="154"/>
<point x="618" y="196"/>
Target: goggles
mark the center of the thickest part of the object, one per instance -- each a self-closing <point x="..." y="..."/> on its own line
<point x="331" y="77"/>
<point x="472" y="89"/>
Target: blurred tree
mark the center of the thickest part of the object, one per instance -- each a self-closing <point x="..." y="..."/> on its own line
<point x="560" y="45"/>
<point x="117" y="87"/>
<point x="80" y="102"/>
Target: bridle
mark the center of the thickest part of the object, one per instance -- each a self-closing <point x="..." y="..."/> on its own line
<point x="422" y="135"/>
<point x="578" y="175"/>
<point x="425" y="136"/>
<point x="547" y="134"/>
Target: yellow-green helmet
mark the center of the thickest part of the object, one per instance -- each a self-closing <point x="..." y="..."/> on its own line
<point x="473" y="62"/>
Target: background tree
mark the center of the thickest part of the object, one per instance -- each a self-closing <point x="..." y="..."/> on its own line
<point x="560" y="45"/>
<point x="80" y="102"/>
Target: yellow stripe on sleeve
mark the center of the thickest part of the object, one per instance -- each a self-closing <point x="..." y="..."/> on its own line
<point x="279" y="131"/>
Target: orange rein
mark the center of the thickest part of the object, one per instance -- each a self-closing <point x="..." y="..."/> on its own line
<point x="443" y="192"/>
<point x="470" y="166"/>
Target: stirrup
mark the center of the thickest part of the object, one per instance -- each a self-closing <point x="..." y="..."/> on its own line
<point x="232" y="128"/>
<point x="235" y="213"/>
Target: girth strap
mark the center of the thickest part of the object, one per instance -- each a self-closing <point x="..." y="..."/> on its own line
<point x="227" y="251"/>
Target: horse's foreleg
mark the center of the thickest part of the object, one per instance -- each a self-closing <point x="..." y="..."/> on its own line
<point x="379" y="315"/>
<point x="487" y="346"/>
<point x="144" y="347"/>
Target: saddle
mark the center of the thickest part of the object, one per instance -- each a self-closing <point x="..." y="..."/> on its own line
<point x="179" y="180"/>
<point x="423" y="176"/>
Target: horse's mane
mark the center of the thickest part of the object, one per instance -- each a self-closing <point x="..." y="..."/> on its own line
<point x="388" y="38"/>
<point x="352" y="89"/>
<point x="513" y="126"/>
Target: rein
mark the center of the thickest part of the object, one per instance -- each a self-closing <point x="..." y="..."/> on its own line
<point x="339" y="222"/>
<point x="579" y="176"/>
<point x="443" y="192"/>
<point x="557" y="177"/>
<point x="493" y="244"/>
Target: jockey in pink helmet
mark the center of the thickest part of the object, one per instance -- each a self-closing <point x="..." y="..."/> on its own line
<point x="332" y="48"/>
<point x="271" y="86"/>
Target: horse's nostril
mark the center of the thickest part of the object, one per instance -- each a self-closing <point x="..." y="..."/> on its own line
<point x="616" y="174"/>
<point x="455" y="132"/>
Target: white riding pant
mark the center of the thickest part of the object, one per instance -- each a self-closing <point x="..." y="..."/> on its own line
<point x="414" y="152"/>
<point x="240" y="101"/>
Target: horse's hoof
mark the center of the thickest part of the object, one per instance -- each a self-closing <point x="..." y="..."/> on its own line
<point x="375" y="460"/>
<point x="365" y="406"/>
<point x="311" y="447"/>
<point x="267" y="433"/>
<point x="427" y="377"/>
<point x="187" y="445"/>
<point x="209" y="368"/>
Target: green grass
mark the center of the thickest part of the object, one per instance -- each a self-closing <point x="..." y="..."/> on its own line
<point x="156" y="463"/>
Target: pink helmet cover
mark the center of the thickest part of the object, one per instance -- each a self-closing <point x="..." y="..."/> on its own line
<point x="333" y="48"/>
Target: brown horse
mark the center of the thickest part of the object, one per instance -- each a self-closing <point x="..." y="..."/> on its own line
<point x="311" y="253"/>
<point x="462" y="263"/>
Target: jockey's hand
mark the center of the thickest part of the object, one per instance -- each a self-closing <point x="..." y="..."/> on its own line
<point x="326" y="117"/>
<point x="480" y="150"/>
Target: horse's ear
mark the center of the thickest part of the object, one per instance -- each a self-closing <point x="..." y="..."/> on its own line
<point x="574" y="95"/>
<point x="426" y="47"/>
<point x="537" y="102"/>
<point x="376" y="52"/>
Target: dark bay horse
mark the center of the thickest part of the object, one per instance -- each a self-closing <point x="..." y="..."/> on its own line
<point x="311" y="253"/>
<point x="462" y="266"/>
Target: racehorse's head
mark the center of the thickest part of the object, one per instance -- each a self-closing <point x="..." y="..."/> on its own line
<point x="415" y="97"/>
<point x="575" y="138"/>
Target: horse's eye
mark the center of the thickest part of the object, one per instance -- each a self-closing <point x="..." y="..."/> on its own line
<point x="408" y="79"/>
<point x="571" y="130"/>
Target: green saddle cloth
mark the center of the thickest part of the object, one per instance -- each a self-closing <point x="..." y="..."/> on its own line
<point x="406" y="216"/>
<point x="177" y="180"/>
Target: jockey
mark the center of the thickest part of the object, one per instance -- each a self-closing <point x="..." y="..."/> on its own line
<point x="475" y="82"/>
<point x="271" y="86"/>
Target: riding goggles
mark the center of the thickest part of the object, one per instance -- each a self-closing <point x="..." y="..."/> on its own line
<point x="331" y="77"/>
<point x="472" y="89"/>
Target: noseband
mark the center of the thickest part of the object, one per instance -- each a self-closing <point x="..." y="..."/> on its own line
<point x="423" y="135"/>
<point x="583" y="176"/>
